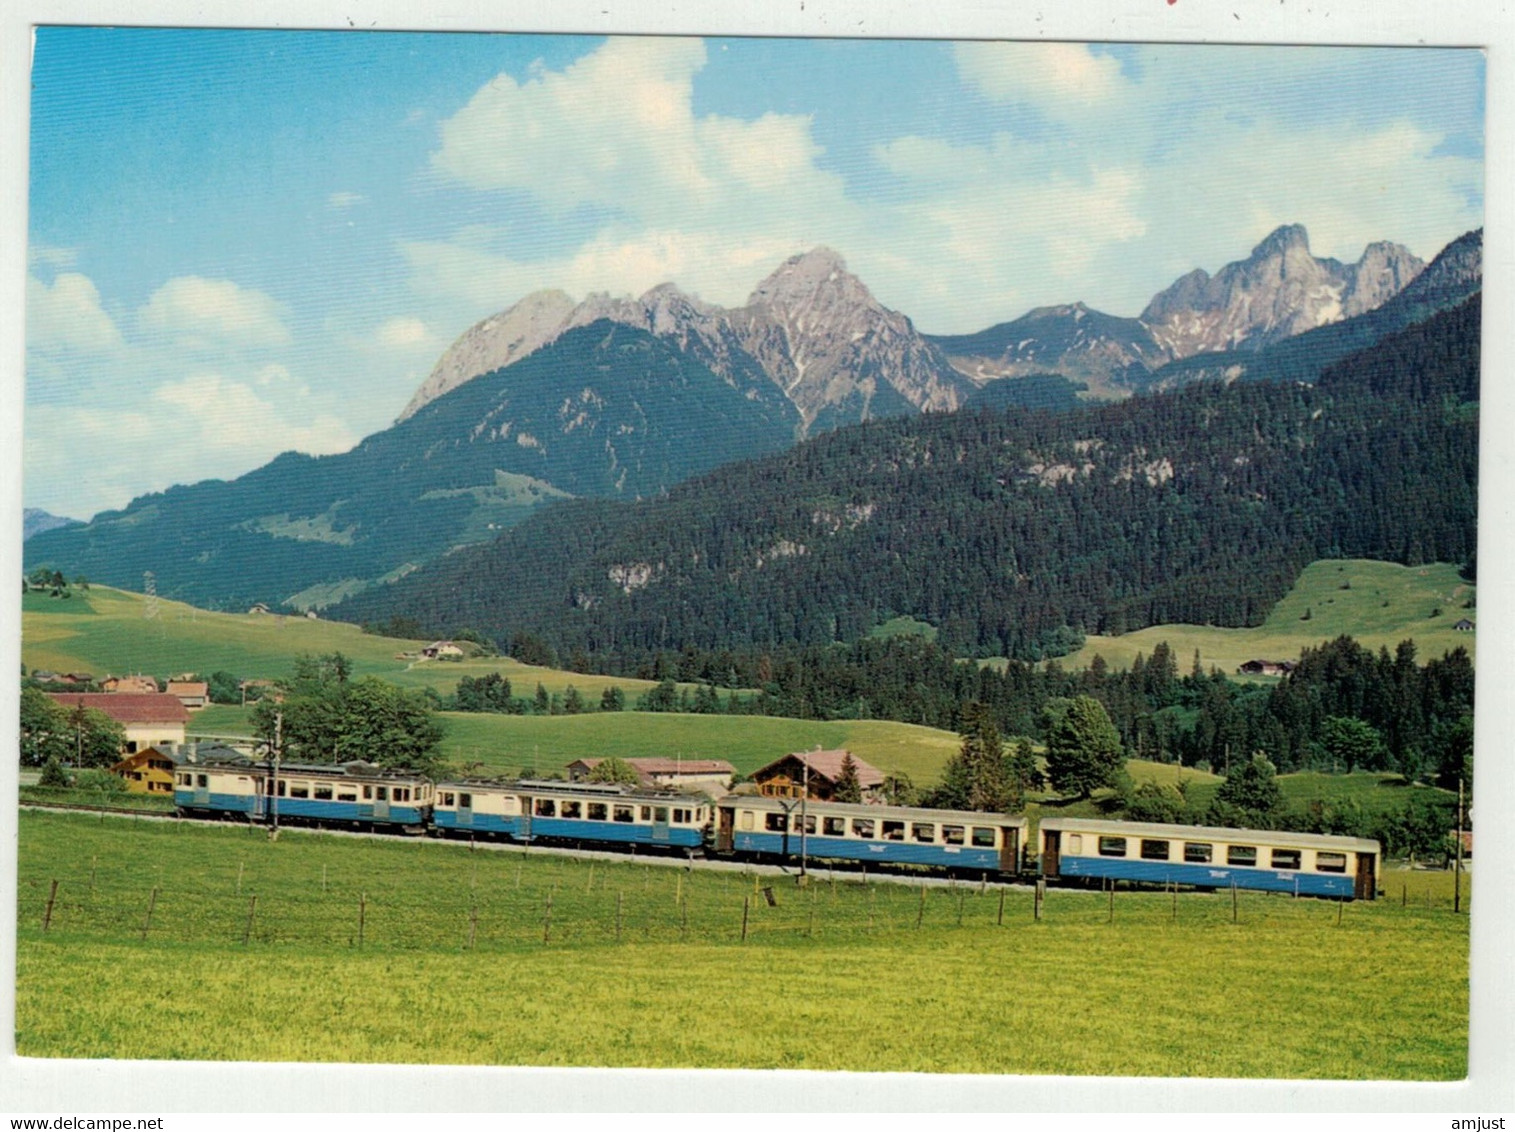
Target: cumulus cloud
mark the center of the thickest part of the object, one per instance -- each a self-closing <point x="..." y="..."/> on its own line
<point x="1058" y="77"/>
<point x="404" y="332"/>
<point x="67" y="317"/>
<point x="209" y="313"/>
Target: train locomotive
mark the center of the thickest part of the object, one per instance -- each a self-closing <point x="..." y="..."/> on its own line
<point x="358" y="795"/>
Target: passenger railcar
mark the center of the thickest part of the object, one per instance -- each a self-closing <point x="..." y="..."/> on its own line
<point x="949" y="839"/>
<point x="605" y="813"/>
<point x="1208" y="857"/>
<point x="354" y="793"/>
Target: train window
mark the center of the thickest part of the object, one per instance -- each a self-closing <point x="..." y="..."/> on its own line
<point x="1112" y="846"/>
<point x="894" y="831"/>
<point x="775" y="823"/>
<point x="572" y="809"/>
<point x="646" y="813"/>
<point x="746" y="822"/>
<point x="862" y="827"/>
<point x="465" y="801"/>
<point x="1241" y="855"/>
<point x="1198" y="852"/>
<point x="1331" y="862"/>
<point x="682" y="817"/>
<point x="983" y="837"/>
<point x="402" y="793"/>
<point x="1153" y="850"/>
<point x="546" y="808"/>
<point x="922" y="831"/>
<point x="1075" y="843"/>
<point x="299" y="791"/>
<point x="447" y="798"/>
<point x="624" y="813"/>
<point x="598" y="811"/>
<point x="367" y="792"/>
<point x="381" y="793"/>
<point x="953" y="835"/>
<point x="323" y="793"/>
<point x="201" y="780"/>
<point x="347" y="797"/>
<point x="835" y="827"/>
<point x="1286" y="858"/>
<point x="281" y="787"/>
<point x="660" y="814"/>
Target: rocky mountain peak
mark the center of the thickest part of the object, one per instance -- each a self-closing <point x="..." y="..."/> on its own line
<point x="1281" y="241"/>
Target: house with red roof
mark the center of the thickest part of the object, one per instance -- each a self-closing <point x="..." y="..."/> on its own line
<point x="148" y="720"/>
<point x="709" y="775"/>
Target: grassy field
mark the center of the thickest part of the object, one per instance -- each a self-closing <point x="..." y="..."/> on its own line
<point x="1378" y="603"/>
<point x="105" y="631"/>
<point x="456" y="961"/>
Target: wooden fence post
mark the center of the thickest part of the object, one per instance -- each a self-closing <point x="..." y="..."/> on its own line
<point x="746" y="900"/>
<point x="362" y="915"/>
<point x="619" y="899"/>
<point x="1037" y="895"/>
<point x="961" y="897"/>
<point x="547" y="919"/>
<point x="1111" y="920"/>
<point x="473" y="925"/>
<point x="1233" y="902"/>
<point x="47" y="916"/>
<point x="152" y="903"/>
<point x="683" y="917"/>
<point x="252" y="907"/>
<point x="920" y="908"/>
<point x="1000" y="919"/>
<point x="240" y="866"/>
<point x="1175" y="900"/>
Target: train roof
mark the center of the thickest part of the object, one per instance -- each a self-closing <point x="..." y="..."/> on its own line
<point x="577" y="789"/>
<point x="872" y="810"/>
<point x="1271" y="837"/>
<point x="352" y="770"/>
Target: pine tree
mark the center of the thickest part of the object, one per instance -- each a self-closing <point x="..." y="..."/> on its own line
<point x="848" y="788"/>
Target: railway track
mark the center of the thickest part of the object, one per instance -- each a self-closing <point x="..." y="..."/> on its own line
<point x="817" y="872"/>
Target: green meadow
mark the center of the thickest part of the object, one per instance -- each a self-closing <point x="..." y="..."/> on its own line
<point x="324" y="948"/>
<point x="1378" y="603"/>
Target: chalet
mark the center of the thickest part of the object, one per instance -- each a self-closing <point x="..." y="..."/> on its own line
<point x="148" y="720"/>
<point x="193" y="694"/>
<point x="441" y="650"/>
<point x="130" y="685"/>
<point x="712" y="776"/>
<point x="1266" y="668"/>
<point x="149" y="771"/>
<point x="787" y="777"/>
<point x="1463" y="626"/>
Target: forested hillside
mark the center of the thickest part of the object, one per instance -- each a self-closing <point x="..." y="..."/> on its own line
<point x="1012" y="532"/>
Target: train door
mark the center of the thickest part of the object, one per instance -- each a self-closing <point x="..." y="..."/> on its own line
<point x="1366" y="886"/>
<point x="523" y="826"/>
<point x="381" y="803"/>
<point x="1052" y="841"/>
<point x="202" y="789"/>
<point x="465" y="810"/>
<point x="1009" y="850"/>
<point x="660" y="823"/>
<point x="725" y="834"/>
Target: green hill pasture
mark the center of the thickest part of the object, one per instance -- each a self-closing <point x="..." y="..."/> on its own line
<point x="324" y="948"/>
<point x="1378" y="603"/>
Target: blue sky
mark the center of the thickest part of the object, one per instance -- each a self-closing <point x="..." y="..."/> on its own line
<point x="243" y="242"/>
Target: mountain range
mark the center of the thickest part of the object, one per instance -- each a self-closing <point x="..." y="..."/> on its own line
<point x="624" y="399"/>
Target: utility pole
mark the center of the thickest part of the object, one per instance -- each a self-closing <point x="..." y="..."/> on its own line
<point x="804" y="797"/>
<point x="273" y="782"/>
<point x="1457" y="877"/>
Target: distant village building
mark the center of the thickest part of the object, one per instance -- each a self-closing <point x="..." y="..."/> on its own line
<point x="149" y="771"/>
<point x="1266" y="668"/>
<point x="440" y="650"/>
<point x="708" y="775"/>
<point x="193" y="694"/>
<point x="148" y="720"/>
<point x="1464" y="626"/>
<point x="787" y="777"/>
<point x="130" y="685"/>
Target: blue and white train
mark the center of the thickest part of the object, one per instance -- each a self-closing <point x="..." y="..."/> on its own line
<point x="361" y="796"/>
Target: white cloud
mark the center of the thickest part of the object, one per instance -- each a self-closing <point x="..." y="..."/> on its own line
<point x="210" y="313"/>
<point x="404" y="332"/>
<point x="1057" y="77"/>
<point x="67" y="318"/>
<point x="44" y="255"/>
